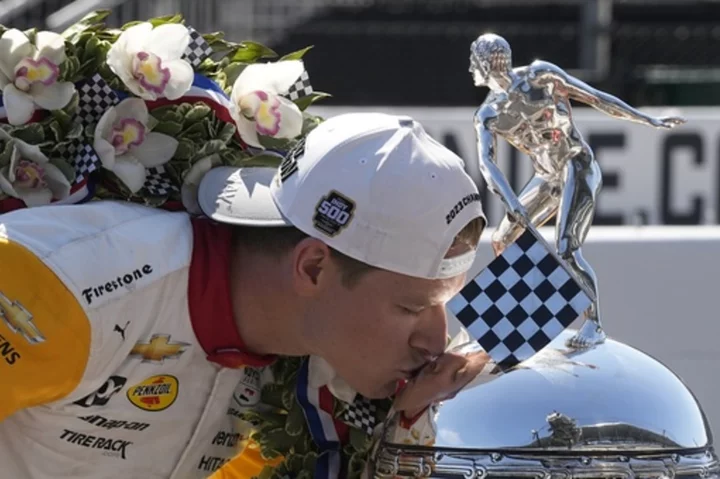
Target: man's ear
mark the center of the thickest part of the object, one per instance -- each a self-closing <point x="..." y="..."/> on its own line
<point x="311" y="266"/>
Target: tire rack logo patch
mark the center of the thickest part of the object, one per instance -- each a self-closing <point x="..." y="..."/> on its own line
<point x="158" y="349"/>
<point x="333" y="213"/>
<point x="101" y="397"/>
<point x="19" y="320"/>
<point x="156" y="393"/>
<point x="112" y="447"/>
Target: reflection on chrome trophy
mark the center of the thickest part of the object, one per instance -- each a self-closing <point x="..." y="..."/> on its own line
<point x="529" y="107"/>
<point x="583" y="405"/>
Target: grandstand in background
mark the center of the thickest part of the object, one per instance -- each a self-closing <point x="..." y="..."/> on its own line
<point x="387" y="52"/>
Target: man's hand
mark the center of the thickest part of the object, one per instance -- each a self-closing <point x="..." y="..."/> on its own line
<point x="667" y="121"/>
<point x="439" y="380"/>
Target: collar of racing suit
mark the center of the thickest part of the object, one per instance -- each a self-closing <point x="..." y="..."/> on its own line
<point x="209" y="298"/>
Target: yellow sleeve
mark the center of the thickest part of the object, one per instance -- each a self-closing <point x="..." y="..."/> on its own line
<point x="44" y="333"/>
<point x="246" y="465"/>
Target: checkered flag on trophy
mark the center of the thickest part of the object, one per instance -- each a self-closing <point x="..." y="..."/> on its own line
<point x="301" y="88"/>
<point x="197" y="50"/>
<point x="360" y="414"/>
<point x="518" y="304"/>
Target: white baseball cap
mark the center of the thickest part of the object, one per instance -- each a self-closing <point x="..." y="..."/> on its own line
<point x="373" y="186"/>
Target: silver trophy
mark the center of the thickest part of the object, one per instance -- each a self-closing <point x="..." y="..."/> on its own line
<point x="569" y="411"/>
<point x="529" y="107"/>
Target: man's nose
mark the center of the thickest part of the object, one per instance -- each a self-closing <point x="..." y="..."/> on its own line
<point x="431" y="335"/>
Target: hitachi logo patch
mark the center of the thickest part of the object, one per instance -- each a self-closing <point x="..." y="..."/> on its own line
<point x="126" y="281"/>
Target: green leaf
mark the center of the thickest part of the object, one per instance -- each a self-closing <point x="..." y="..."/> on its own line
<point x="262" y="160"/>
<point x="88" y="21"/>
<point x="198" y="112"/>
<point x="67" y="170"/>
<point x="71" y="107"/>
<point x="233" y="71"/>
<point x="294" y="462"/>
<point x="168" y="113"/>
<point x="304" y="102"/>
<point x="196" y="132"/>
<point x="184" y="108"/>
<point x="92" y="48"/>
<point x="131" y="24"/>
<point x="272" y="395"/>
<point x="288" y="398"/>
<point x="157" y="21"/>
<point x="358" y="439"/>
<point x="251" y="52"/>
<point x="6" y="154"/>
<point x="309" y="462"/>
<point x="356" y="466"/>
<point x="31" y="33"/>
<point x="32" y="133"/>
<point x="278" y="440"/>
<point x="266" y="473"/>
<point x="76" y="131"/>
<point x="57" y="131"/>
<point x="169" y="128"/>
<point x="297" y="55"/>
<point x="185" y="150"/>
<point x="232" y="157"/>
<point x="209" y="148"/>
<point x="295" y="423"/>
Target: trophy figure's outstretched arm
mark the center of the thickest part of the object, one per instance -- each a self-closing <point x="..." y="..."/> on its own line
<point x="604" y="102"/>
<point x="494" y="178"/>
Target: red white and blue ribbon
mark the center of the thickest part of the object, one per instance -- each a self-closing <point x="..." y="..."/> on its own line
<point x="321" y="424"/>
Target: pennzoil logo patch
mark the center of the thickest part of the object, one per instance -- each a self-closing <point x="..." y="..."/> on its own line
<point x="156" y="393"/>
<point x="333" y="213"/>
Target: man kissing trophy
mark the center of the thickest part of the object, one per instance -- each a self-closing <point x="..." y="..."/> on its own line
<point x="574" y="403"/>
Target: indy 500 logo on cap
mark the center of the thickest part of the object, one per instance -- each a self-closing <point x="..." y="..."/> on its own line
<point x="333" y="213"/>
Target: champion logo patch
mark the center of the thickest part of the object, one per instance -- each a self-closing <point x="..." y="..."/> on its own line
<point x="333" y="213"/>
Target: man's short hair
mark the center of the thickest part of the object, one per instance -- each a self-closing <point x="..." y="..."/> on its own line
<point x="276" y="241"/>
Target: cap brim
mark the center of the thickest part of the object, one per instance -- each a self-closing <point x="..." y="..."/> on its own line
<point x="240" y="196"/>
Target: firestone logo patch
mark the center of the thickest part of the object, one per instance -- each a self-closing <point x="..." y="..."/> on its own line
<point x="156" y="393"/>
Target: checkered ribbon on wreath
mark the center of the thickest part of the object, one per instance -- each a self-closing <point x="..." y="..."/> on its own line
<point x="95" y="97"/>
<point x="360" y="414"/>
<point x="197" y="50"/>
<point x="300" y="88"/>
<point x="158" y="182"/>
<point x="520" y="302"/>
<point x="81" y="157"/>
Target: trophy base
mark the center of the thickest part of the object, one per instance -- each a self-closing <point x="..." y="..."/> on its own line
<point x="590" y="334"/>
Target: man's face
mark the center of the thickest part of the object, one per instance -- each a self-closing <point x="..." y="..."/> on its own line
<point x="383" y="328"/>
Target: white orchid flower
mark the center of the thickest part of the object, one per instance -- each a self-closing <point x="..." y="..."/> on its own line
<point x="257" y="104"/>
<point x="127" y="147"/>
<point x="29" y="74"/>
<point x="191" y="182"/>
<point x="149" y="60"/>
<point x="30" y="176"/>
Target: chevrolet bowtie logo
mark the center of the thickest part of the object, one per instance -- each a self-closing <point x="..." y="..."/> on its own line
<point x="158" y="349"/>
<point x="19" y="320"/>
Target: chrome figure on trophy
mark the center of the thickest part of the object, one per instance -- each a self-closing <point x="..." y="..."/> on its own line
<point x="529" y="106"/>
